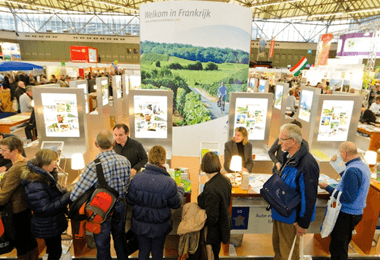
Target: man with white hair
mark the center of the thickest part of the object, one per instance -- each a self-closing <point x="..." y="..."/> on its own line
<point x="354" y="186"/>
<point x="300" y="172"/>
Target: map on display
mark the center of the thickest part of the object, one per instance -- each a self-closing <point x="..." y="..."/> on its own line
<point x="60" y="115"/>
<point x="151" y="116"/>
<point x="335" y="120"/>
<point x="84" y="87"/>
<point x="104" y="88"/>
<point x="251" y="113"/>
<point x="278" y="96"/>
<point x="305" y="105"/>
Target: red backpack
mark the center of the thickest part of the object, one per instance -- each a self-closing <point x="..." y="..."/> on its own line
<point x="101" y="205"/>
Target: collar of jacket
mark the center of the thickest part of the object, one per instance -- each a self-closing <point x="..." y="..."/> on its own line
<point x="294" y="160"/>
<point x="155" y="168"/>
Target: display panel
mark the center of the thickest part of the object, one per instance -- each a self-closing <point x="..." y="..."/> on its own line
<point x="335" y="120"/>
<point x="135" y="82"/>
<point x="104" y="86"/>
<point x="278" y="96"/>
<point x="84" y="87"/>
<point x="92" y="55"/>
<point x="305" y="105"/>
<point x="151" y="116"/>
<point x="252" y="85"/>
<point x="60" y="115"/>
<point x="56" y="146"/>
<point x="118" y="86"/>
<point x="262" y="86"/>
<point x="251" y="113"/>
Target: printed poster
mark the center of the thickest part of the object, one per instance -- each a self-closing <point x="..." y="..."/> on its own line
<point x="252" y="85"/>
<point x="262" y="85"/>
<point x="151" y="116"/>
<point x="335" y="120"/>
<point x="305" y="105"/>
<point x="60" y="115"/>
<point x="278" y="96"/>
<point x="251" y="113"/>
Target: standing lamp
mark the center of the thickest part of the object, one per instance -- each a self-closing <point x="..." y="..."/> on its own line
<point x="77" y="162"/>
<point x="236" y="164"/>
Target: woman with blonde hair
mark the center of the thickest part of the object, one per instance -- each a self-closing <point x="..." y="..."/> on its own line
<point x="239" y="145"/>
<point x="47" y="200"/>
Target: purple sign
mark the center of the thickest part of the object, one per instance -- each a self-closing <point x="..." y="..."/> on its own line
<point x="355" y="44"/>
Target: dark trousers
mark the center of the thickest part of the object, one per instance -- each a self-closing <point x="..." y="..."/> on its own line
<point x="201" y="250"/>
<point x="116" y="226"/>
<point x="151" y="245"/>
<point x="29" y="131"/>
<point x="342" y="234"/>
<point x="54" y="247"/>
<point x="25" y="242"/>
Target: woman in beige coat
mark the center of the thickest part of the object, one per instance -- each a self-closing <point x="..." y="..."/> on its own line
<point x="12" y="191"/>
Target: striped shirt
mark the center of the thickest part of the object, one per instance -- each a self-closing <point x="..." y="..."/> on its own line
<point x="116" y="169"/>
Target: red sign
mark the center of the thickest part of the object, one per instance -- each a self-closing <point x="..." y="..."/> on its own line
<point x="271" y="50"/>
<point x="83" y="54"/>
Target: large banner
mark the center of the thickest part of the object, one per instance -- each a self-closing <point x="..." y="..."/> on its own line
<point x="355" y="44"/>
<point x="200" y="50"/>
<point x="323" y="49"/>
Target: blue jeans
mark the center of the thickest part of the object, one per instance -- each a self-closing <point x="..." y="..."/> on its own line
<point x="154" y="245"/>
<point x="114" y="225"/>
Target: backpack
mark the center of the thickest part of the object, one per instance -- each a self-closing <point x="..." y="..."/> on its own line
<point x="100" y="206"/>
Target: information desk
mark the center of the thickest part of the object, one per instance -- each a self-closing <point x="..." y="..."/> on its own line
<point x="249" y="216"/>
<point x="8" y="122"/>
<point x="374" y="136"/>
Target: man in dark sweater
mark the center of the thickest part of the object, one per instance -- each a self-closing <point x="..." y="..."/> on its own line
<point x="131" y="149"/>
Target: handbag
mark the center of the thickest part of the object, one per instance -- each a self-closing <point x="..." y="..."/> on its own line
<point x="331" y="214"/>
<point x="131" y="243"/>
<point x="280" y="196"/>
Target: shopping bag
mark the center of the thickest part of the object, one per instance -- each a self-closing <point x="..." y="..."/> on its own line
<point x="291" y="250"/>
<point x="332" y="212"/>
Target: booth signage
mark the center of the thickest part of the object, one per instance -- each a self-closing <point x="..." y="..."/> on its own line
<point x="240" y="217"/>
<point x="83" y="54"/>
<point x="271" y="50"/>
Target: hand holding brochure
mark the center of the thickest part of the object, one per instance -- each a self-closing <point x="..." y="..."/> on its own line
<point x="338" y="165"/>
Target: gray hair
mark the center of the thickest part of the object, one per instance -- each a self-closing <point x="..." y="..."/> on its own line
<point x="293" y="131"/>
<point x="349" y="147"/>
<point x="105" y="139"/>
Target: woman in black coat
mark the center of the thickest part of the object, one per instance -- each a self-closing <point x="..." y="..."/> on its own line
<point x="216" y="199"/>
<point x="47" y="200"/>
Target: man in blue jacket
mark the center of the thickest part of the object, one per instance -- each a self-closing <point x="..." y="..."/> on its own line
<point x="354" y="187"/>
<point x="300" y="172"/>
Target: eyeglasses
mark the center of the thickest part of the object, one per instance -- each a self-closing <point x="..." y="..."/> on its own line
<point x="281" y="139"/>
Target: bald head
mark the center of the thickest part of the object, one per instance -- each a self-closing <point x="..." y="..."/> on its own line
<point x="105" y="139"/>
<point x="348" y="151"/>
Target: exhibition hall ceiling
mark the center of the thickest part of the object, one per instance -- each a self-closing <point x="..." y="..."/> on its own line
<point x="305" y="10"/>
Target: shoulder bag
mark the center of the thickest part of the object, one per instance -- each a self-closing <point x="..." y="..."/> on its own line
<point x="280" y="196"/>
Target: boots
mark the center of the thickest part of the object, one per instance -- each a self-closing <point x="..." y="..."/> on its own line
<point x="32" y="255"/>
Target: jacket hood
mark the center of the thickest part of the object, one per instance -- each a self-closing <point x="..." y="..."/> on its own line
<point x="32" y="173"/>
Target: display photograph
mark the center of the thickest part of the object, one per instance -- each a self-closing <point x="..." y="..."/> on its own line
<point x="335" y="120"/>
<point x="336" y="83"/>
<point x="200" y="60"/>
<point x="151" y="116"/>
<point x="251" y="113"/>
<point x="305" y="105"/>
<point x="60" y="115"/>
<point x="262" y="86"/>
<point x="104" y="88"/>
<point x="278" y="96"/>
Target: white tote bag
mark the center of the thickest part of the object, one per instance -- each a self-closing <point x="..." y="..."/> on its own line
<point x="331" y="214"/>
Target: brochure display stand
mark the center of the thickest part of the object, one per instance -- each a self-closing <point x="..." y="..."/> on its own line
<point x="279" y="109"/>
<point x="82" y="84"/>
<point x="117" y="109"/>
<point x="252" y="111"/>
<point x="307" y="110"/>
<point x="336" y="121"/>
<point x="150" y="120"/>
<point x="60" y="116"/>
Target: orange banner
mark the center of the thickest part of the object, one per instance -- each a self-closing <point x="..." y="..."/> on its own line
<point x="323" y="49"/>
